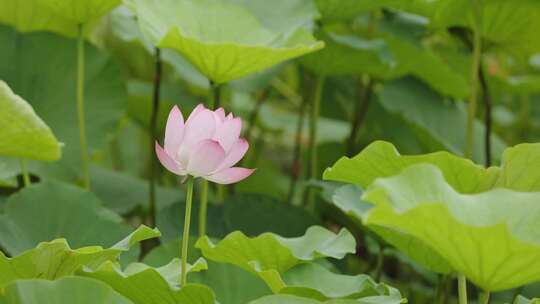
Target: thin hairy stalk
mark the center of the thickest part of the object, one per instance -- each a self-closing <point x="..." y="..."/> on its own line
<point x="254" y="115"/>
<point x="185" y="237"/>
<point x="313" y="124"/>
<point x="483" y="297"/>
<point x="24" y="172"/>
<point x="153" y="136"/>
<point x="360" y="111"/>
<point x="83" y="146"/>
<point x="297" y="151"/>
<point x="462" y="289"/>
<point x="488" y="109"/>
<point x="203" y="208"/>
<point x="477" y="53"/>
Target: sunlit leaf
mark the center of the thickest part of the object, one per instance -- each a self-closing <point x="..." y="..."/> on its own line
<point x="316" y="282"/>
<point x="288" y="299"/>
<point x="56" y="259"/>
<point x="523" y="300"/>
<point x="80" y="11"/>
<point x="65" y="291"/>
<point x="270" y="255"/>
<point x="226" y="39"/>
<point x="462" y="228"/>
<point x="231" y="284"/>
<point x="30" y="16"/>
<point x="143" y="284"/>
<point x="24" y="134"/>
<point x="381" y="159"/>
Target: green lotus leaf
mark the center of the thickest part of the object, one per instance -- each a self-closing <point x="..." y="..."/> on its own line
<point x="314" y="281"/>
<point x="65" y="291"/>
<point x="289" y="299"/>
<point x="388" y="55"/>
<point x="231" y="284"/>
<point x="381" y="159"/>
<point x="505" y="24"/>
<point x="372" y="56"/>
<point x="269" y="255"/>
<point x="80" y="11"/>
<point x="523" y="300"/>
<point x="495" y="246"/>
<point x="30" y="16"/>
<point x="56" y="259"/>
<point x="143" y="284"/>
<point x="345" y="10"/>
<point x="31" y="72"/>
<point x="225" y="39"/>
<point x="24" y="134"/>
<point x="51" y="210"/>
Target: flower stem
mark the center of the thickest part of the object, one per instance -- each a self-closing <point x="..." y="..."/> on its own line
<point x="313" y="123"/>
<point x="24" y="171"/>
<point x="153" y="136"/>
<point x="203" y="208"/>
<point x="462" y="289"/>
<point x="483" y="298"/>
<point x="187" y="222"/>
<point x="477" y="52"/>
<point x="80" y="110"/>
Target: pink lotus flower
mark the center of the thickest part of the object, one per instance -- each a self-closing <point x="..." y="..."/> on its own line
<point x="207" y="145"/>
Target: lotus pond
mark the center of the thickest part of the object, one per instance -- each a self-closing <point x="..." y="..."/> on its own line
<point x="269" y="152"/>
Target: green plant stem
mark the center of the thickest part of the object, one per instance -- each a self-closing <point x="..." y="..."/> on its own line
<point x="153" y="136"/>
<point x="488" y="108"/>
<point x="203" y="208"/>
<point x="80" y="110"/>
<point x="214" y="101"/>
<point x="462" y="289"/>
<point x="477" y="53"/>
<point x="483" y="297"/>
<point x="187" y="222"/>
<point x="216" y="95"/>
<point x="296" y="167"/>
<point x="254" y="115"/>
<point x="313" y="123"/>
<point x="360" y="110"/>
<point x="380" y="264"/>
<point x="24" y="171"/>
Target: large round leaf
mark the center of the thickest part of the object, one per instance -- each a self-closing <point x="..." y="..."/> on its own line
<point x="30" y="15"/>
<point x="269" y="256"/>
<point x="51" y="210"/>
<point x="66" y="291"/>
<point x="381" y="159"/>
<point x="41" y="68"/>
<point x="289" y="299"/>
<point x="24" y="134"/>
<point x="55" y="259"/>
<point x="490" y="237"/>
<point x="231" y="284"/>
<point x="80" y="11"/>
<point x="147" y="285"/>
<point x="227" y="39"/>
